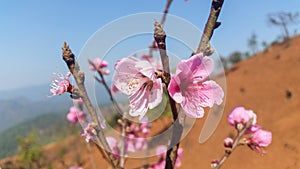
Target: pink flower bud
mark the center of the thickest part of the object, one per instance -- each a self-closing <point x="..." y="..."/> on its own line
<point x="214" y="163"/>
<point x="228" y="142"/>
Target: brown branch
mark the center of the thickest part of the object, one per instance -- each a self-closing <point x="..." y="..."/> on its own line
<point x="78" y="75"/>
<point x="235" y="143"/>
<point x="166" y="10"/>
<point x="160" y="38"/>
<point x="162" y="21"/>
<point x="211" y="25"/>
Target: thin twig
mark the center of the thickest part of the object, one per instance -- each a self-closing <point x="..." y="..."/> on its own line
<point x="119" y="110"/>
<point x="211" y="25"/>
<point x="166" y="10"/>
<point x="235" y="143"/>
<point x="78" y="75"/>
<point x="160" y="37"/>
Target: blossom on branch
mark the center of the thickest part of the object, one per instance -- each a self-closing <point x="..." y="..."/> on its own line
<point x="240" y="116"/>
<point x="61" y="84"/>
<point x="260" y="138"/>
<point x="136" y="78"/>
<point x="191" y="88"/>
<point x="75" y="115"/>
<point x="98" y="65"/>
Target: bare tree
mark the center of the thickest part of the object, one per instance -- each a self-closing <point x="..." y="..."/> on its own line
<point x="252" y="43"/>
<point x="282" y="20"/>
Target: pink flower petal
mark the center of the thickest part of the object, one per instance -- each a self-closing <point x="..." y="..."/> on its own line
<point x="210" y="93"/>
<point x="174" y="90"/>
<point x="155" y="95"/>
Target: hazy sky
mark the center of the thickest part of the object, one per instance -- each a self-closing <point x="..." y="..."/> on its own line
<point x="32" y="32"/>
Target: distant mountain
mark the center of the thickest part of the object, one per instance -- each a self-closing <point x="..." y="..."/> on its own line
<point x="27" y="103"/>
<point x="46" y="127"/>
<point x="14" y="111"/>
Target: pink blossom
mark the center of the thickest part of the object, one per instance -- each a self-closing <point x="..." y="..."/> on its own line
<point x="114" y="89"/>
<point x="154" y="45"/>
<point x="75" y="115"/>
<point x="159" y="165"/>
<point x="156" y="63"/>
<point x="191" y="88"/>
<point x="135" y="143"/>
<point x="89" y="132"/>
<point x="179" y="157"/>
<point x="240" y="115"/>
<point x="137" y="79"/>
<point x="78" y="102"/>
<point x="100" y="64"/>
<point x="73" y="167"/>
<point x="161" y="150"/>
<point x="61" y="84"/>
<point x="113" y="144"/>
<point x="72" y="115"/>
<point x="253" y="129"/>
<point x="260" y="138"/>
<point x="146" y="57"/>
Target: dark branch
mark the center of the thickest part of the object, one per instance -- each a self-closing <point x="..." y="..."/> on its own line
<point x="211" y="25"/>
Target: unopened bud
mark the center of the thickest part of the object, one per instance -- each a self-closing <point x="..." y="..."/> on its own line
<point x="214" y="163"/>
<point x="228" y="142"/>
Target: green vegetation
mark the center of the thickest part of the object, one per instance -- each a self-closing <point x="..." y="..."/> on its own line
<point x="31" y="153"/>
<point x="48" y="128"/>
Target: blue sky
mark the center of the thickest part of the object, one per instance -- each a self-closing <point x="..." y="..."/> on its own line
<point x="32" y="32"/>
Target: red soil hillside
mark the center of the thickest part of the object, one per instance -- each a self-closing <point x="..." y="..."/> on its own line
<point x="268" y="83"/>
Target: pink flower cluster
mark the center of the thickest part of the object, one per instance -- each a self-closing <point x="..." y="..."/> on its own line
<point x="259" y="138"/>
<point x="189" y="86"/>
<point x="61" y="84"/>
<point x="135" y="139"/>
<point x="161" y="151"/>
<point x="100" y="64"/>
